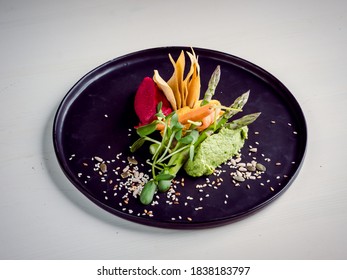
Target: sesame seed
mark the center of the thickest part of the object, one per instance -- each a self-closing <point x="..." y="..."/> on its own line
<point x="72" y="156"/>
<point x="99" y="159"/>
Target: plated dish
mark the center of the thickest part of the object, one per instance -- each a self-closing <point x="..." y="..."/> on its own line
<point x="94" y="129"/>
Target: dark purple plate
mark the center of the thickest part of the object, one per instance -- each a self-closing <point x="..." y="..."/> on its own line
<point x="93" y="130"/>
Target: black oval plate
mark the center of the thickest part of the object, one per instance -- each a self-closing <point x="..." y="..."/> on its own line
<point x="96" y="119"/>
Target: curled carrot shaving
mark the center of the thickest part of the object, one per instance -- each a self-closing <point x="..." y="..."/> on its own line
<point x="205" y="114"/>
<point x="210" y="119"/>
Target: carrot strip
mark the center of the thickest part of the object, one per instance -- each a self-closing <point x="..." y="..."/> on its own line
<point x="195" y="114"/>
<point x="207" y="121"/>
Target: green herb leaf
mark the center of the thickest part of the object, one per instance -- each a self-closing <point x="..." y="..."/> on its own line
<point x="188" y="139"/>
<point x="147" y="129"/>
<point x="160" y="115"/>
<point x="164" y="185"/>
<point x="137" y="144"/>
<point x="195" y="134"/>
<point x="153" y="148"/>
<point x="164" y="176"/>
<point x="159" y="106"/>
<point x="178" y="135"/>
<point x="173" y="120"/>
<point x="148" y="192"/>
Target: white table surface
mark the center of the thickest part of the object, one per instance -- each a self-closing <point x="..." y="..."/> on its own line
<point x="46" y="46"/>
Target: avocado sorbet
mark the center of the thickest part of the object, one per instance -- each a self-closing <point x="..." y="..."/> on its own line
<point x="215" y="150"/>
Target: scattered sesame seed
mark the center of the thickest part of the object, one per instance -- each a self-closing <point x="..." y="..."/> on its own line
<point x="99" y="159"/>
<point x="72" y="156"/>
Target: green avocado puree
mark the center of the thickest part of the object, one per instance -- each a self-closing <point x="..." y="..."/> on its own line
<point x="215" y="150"/>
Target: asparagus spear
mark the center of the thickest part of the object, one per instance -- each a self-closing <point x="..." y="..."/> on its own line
<point x="245" y="120"/>
<point x="212" y="85"/>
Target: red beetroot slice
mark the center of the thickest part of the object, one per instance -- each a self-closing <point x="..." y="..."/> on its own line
<point x="147" y="98"/>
